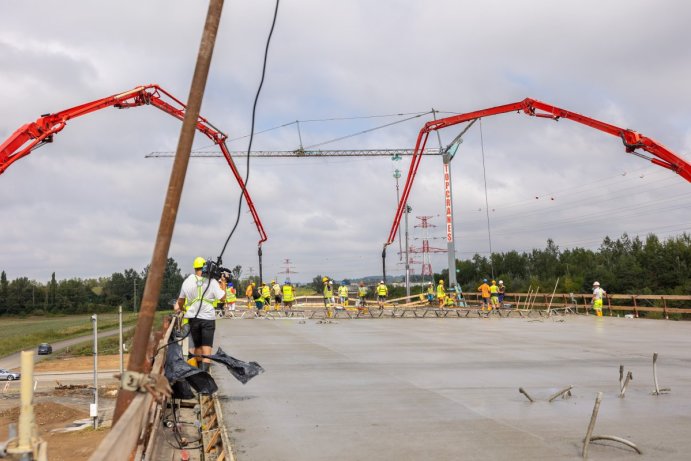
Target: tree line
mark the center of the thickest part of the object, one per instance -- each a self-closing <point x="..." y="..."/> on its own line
<point x="22" y="296"/>
<point x="625" y="266"/>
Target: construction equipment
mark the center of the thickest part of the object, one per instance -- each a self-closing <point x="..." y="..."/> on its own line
<point x="632" y="141"/>
<point x="33" y="135"/>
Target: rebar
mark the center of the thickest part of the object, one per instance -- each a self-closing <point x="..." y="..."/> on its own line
<point x="522" y="391"/>
<point x="561" y="392"/>
<point x="617" y="439"/>
<point x="629" y="377"/>
<point x="591" y="425"/>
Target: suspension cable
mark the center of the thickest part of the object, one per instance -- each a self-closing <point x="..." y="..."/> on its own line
<point x="249" y="147"/>
<point x="484" y="176"/>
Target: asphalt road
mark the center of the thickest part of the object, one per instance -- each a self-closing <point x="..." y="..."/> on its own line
<point x="14" y="360"/>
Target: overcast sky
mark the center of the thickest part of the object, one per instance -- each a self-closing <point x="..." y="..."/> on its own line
<point x="89" y="204"/>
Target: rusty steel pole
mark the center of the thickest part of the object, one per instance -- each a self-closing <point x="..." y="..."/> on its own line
<point x="138" y="360"/>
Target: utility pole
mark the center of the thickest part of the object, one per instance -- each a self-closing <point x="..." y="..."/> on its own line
<point x="94" y="409"/>
<point x="122" y="358"/>
<point x="134" y="296"/>
<point x="138" y="357"/>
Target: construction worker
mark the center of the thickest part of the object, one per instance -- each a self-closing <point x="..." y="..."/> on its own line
<point x="196" y="300"/>
<point x="231" y="297"/>
<point x="288" y="295"/>
<point x="382" y="293"/>
<point x="598" y="295"/>
<point x="441" y="293"/>
<point x="430" y="293"/>
<point x="450" y="298"/>
<point x="484" y="290"/>
<point x="343" y="294"/>
<point x="494" y="295"/>
<point x="266" y="296"/>
<point x="276" y="290"/>
<point x="502" y="292"/>
<point x="257" y="297"/>
<point x="248" y="293"/>
<point x="328" y="292"/>
<point x="361" y="295"/>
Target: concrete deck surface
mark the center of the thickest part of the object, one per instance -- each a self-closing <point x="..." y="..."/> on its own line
<point x="447" y="389"/>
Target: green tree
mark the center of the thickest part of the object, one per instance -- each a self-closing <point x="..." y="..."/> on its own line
<point x="4" y="293"/>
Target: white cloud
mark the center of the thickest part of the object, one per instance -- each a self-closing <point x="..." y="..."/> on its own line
<point x="89" y="203"/>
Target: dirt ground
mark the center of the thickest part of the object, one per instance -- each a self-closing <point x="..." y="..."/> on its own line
<point x="59" y="408"/>
<point x="86" y="363"/>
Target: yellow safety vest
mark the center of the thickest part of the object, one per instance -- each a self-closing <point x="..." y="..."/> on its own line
<point x="266" y="292"/>
<point x="441" y="292"/>
<point x="343" y="291"/>
<point x="382" y="290"/>
<point x="288" y="294"/>
<point x="362" y="292"/>
<point x="230" y="295"/>
<point x="200" y="283"/>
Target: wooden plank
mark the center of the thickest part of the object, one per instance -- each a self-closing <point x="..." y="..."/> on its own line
<point x="122" y="438"/>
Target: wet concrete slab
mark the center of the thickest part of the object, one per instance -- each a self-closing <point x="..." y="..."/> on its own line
<point x="447" y="389"/>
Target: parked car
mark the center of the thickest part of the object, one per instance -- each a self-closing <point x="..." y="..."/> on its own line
<point x="8" y="375"/>
<point x="45" y="349"/>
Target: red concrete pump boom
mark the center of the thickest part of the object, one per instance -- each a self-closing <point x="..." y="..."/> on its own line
<point x="632" y="140"/>
<point x="33" y="135"/>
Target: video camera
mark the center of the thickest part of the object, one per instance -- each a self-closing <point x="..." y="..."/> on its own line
<point x="215" y="271"/>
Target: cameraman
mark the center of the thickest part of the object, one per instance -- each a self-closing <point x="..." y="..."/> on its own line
<point x="200" y="311"/>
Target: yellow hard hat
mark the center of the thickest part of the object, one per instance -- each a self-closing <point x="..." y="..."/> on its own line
<point x="273" y="281"/>
<point x="198" y="262"/>
<point x="441" y="282"/>
<point x="324" y="279"/>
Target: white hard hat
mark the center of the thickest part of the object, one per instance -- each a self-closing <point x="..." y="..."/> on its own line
<point x="501" y="282"/>
<point x="596" y="284"/>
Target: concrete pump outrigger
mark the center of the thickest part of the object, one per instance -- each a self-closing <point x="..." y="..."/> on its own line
<point x="33" y="135"/>
<point x="632" y="140"/>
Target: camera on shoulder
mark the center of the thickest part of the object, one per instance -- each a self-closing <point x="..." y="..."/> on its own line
<point x="215" y="271"/>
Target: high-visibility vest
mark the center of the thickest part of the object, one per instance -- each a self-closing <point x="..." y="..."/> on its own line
<point x="328" y="291"/>
<point x="248" y="291"/>
<point x="188" y="303"/>
<point x="343" y="291"/>
<point x="382" y="290"/>
<point x="288" y="294"/>
<point x="266" y="292"/>
<point x="430" y="290"/>
<point x="494" y="290"/>
<point x="231" y="297"/>
<point x="362" y="292"/>
<point x="441" y="292"/>
<point x="276" y="289"/>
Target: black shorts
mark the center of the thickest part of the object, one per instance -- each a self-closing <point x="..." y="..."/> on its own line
<point x="202" y="332"/>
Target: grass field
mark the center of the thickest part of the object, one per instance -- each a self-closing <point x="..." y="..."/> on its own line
<point x="27" y="333"/>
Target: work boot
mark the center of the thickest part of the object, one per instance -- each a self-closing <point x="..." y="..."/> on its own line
<point x="204" y="366"/>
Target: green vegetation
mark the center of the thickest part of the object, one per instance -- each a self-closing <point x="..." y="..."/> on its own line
<point x="622" y="266"/>
<point x="25" y="334"/>
<point x="76" y="296"/>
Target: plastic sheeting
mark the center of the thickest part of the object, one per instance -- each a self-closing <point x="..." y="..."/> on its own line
<point x="243" y="371"/>
<point x="183" y="377"/>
